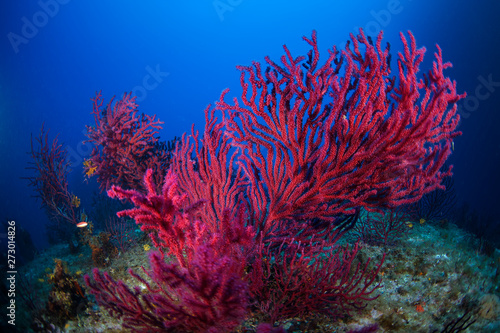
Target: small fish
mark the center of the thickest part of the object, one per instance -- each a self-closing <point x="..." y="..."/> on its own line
<point x="422" y="221"/>
<point x="409" y="224"/>
<point x="82" y="224"/>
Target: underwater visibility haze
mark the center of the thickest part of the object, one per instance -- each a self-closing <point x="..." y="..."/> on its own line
<point x="249" y="166"/>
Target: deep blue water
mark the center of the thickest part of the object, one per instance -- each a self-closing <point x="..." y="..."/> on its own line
<point x="178" y="56"/>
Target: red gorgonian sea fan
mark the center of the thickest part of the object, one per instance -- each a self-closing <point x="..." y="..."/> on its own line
<point x="312" y="142"/>
<point x="123" y="142"/>
<point x="202" y="290"/>
<point x="317" y="140"/>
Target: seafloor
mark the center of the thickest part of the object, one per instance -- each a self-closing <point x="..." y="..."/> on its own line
<point x="435" y="276"/>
